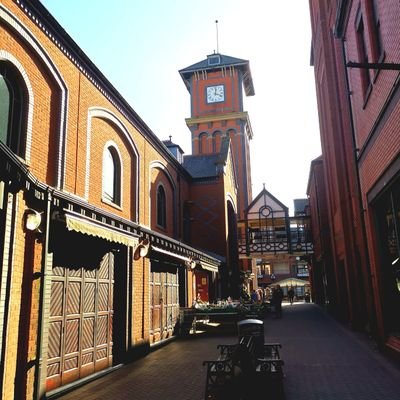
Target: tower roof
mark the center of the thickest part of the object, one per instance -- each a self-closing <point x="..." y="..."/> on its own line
<point x="216" y="61"/>
<point x="169" y="144"/>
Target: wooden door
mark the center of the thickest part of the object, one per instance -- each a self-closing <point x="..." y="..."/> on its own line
<point x="164" y="304"/>
<point x="80" y="326"/>
<point x="155" y="306"/>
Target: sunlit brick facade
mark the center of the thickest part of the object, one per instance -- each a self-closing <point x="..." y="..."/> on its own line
<point x="101" y="227"/>
<point x="356" y="58"/>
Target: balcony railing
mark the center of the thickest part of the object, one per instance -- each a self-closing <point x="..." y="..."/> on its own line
<point x="294" y="241"/>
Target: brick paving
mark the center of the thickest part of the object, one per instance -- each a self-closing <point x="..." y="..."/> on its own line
<point x="323" y="361"/>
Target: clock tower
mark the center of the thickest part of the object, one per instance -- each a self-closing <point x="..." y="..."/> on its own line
<point x="216" y="86"/>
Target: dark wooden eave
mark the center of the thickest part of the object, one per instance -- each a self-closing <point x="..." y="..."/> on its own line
<point x="58" y="35"/>
<point x="17" y="177"/>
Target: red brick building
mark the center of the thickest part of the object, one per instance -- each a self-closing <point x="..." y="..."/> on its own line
<point x="105" y="231"/>
<point x="356" y="57"/>
<point x="221" y="133"/>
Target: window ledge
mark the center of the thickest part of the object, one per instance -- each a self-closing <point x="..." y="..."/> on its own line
<point x="110" y="203"/>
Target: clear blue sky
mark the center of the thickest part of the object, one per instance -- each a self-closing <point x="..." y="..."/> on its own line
<point x="141" y="45"/>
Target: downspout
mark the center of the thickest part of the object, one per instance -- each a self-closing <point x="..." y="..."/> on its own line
<point x="289" y="232"/>
<point x="368" y="289"/>
<point x="247" y="235"/>
<point x="180" y="211"/>
<point x="323" y="244"/>
<point x="40" y="375"/>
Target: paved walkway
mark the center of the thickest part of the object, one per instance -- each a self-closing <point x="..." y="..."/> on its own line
<point x="323" y="361"/>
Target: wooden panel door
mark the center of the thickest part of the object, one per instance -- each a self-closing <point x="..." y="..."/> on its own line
<point x="80" y="326"/>
<point x="171" y="308"/>
<point x="164" y="306"/>
<point x="155" y="306"/>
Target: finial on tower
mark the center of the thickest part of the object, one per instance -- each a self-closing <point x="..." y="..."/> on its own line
<point x="263" y="186"/>
<point x="216" y="27"/>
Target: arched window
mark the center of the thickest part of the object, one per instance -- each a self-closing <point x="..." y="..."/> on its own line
<point x="231" y="134"/>
<point x="111" y="176"/>
<point x="161" y="207"/>
<point x="13" y="110"/>
<point x="203" y="143"/>
<point x="216" y="143"/>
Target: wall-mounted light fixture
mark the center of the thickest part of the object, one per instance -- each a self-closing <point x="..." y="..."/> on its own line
<point x="33" y="220"/>
<point x="142" y="249"/>
<point x="191" y="264"/>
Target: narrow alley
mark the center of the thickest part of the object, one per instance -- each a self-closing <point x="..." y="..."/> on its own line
<point x="323" y="361"/>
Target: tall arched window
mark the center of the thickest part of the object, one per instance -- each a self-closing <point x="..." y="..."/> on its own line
<point x="231" y="134"/>
<point x="203" y="143"/>
<point x="111" y="176"/>
<point x="161" y="207"/>
<point x="216" y="143"/>
<point x="13" y="108"/>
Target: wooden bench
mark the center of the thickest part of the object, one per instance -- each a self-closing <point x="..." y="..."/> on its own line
<point x="222" y="374"/>
<point x="271" y="350"/>
<point x="269" y="371"/>
<point x="258" y="372"/>
<point x="240" y="373"/>
<point x="226" y="351"/>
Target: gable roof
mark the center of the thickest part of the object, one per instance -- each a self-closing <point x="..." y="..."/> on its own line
<point x="222" y="61"/>
<point x="264" y="193"/>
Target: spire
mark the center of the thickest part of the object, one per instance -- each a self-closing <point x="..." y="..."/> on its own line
<point x="216" y="27"/>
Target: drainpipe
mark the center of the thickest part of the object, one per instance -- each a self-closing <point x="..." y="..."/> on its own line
<point x="368" y="289"/>
<point x="40" y="375"/>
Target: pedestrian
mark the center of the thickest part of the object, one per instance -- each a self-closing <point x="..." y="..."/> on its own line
<point x="277" y="296"/>
<point x="259" y="295"/>
<point x="291" y="294"/>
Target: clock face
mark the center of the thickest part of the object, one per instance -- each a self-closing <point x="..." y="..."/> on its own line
<point x="215" y="94"/>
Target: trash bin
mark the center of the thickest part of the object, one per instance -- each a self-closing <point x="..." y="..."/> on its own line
<point x="254" y="328"/>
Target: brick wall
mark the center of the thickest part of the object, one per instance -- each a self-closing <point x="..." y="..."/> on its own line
<point x="370" y="118"/>
<point x="198" y="93"/>
<point x="74" y="116"/>
<point x="15" y="242"/>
